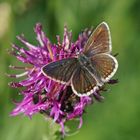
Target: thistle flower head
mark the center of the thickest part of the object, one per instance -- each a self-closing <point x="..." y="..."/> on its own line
<point x="41" y="94"/>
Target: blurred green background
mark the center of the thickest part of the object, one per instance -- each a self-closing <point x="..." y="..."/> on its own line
<point x="118" y="117"/>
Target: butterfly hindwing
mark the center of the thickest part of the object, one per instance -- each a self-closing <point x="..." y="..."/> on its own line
<point x="105" y="64"/>
<point x="82" y="82"/>
<point x="61" y="70"/>
<point x="99" y="41"/>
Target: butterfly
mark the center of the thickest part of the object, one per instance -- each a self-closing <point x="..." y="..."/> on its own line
<point x="91" y="68"/>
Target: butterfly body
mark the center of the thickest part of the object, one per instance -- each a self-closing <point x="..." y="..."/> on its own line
<point x="90" y="69"/>
<point x="83" y="60"/>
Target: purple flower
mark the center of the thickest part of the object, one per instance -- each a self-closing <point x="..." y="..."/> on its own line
<point x="41" y="94"/>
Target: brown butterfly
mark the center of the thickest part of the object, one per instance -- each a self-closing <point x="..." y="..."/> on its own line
<point x="91" y="68"/>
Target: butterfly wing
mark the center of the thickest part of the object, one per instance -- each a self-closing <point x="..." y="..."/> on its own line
<point x="83" y="83"/>
<point x="105" y="64"/>
<point x="60" y="71"/>
<point x="99" y="41"/>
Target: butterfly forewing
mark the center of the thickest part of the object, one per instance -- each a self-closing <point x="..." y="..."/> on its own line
<point x="105" y="64"/>
<point x="60" y="71"/>
<point x="83" y="83"/>
<point x="99" y="41"/>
